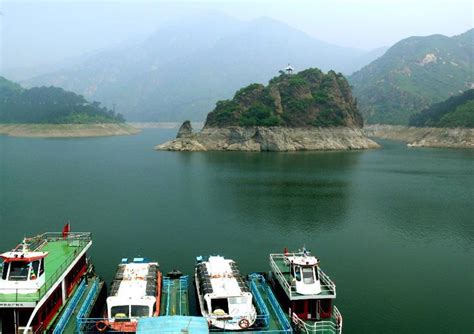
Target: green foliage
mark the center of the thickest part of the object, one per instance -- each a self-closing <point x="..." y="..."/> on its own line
<point x="259" y="115"/>
<point x="303" y="99"/>
<point x="412" y="75"/>
<point x="457" y="111"/>
<point x="49" y="105"/>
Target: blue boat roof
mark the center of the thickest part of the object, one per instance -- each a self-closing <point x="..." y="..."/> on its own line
<point x="173" y="324"/>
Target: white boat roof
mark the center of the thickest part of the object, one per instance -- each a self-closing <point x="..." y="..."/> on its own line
<point x="303" y="260"/>
<point x="222" y="280"/>
<point x="134" y="280"/>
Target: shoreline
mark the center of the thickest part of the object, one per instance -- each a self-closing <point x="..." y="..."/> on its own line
<point x="423" y="137"/>
<point x="67" y="130"/>
<point x="273" y="139"/>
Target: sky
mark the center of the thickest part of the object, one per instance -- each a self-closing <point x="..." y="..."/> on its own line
<point x="44" y="32"/>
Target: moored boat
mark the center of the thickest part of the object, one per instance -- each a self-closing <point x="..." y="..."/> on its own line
<point x="306" y="292"/>
<point x="38" y="278"/>
<point x="135" y="293"/>
<point x="224" y="297"/>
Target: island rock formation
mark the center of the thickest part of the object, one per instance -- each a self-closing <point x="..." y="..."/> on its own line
<point x="306" y="111"/>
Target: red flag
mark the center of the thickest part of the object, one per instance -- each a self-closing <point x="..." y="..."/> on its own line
<point x="66" y="230"/>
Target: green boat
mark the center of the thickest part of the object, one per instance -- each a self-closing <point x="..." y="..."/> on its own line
<point x="306" y="292"/>
<point x="38" y="279"/>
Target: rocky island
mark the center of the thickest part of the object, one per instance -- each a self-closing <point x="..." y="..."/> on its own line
<point x="309" y="110"/>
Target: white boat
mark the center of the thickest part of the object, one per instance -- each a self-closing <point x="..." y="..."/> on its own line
<point x="224" y="297"/>
<point x="135" y="293"/>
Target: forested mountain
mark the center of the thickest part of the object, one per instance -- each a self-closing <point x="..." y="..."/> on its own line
<point x="182" y="70"/>
<point x="49" y="105"/>
<point x="413" y="74"/>
<point x="308" y="98"/>
<point x="457" y="111"/>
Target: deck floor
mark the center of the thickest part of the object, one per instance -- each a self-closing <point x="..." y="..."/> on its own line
<point x="174" y="299"/>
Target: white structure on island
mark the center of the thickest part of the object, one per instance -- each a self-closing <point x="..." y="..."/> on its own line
<point x="289" y="69"/>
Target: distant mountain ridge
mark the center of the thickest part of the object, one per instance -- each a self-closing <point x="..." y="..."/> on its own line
<point x="180" y="71"/>
<point x="413" y="74"/>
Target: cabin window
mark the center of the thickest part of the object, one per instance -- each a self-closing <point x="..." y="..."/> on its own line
<point x="41" y="269"/>
<point x="6" y="265"/>
<point x="140" y="311"/>
<point x="34" y="271"/>
<point x="298" y="273"/>
<point x="120" y="311"/>
<point x="308" y="275"/>
<point x="220" y="304"/>
<point x="19" y="271"/>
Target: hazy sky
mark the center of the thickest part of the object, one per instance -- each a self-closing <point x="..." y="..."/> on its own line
<point x="42" y="32"/>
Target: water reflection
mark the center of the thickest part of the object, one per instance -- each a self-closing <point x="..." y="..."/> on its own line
<point x="306" y="191"/>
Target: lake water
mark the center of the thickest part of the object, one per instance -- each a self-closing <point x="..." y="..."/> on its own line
<point x="393" y="227"/>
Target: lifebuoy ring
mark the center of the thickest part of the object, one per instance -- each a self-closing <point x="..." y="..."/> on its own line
<point x="244" y="323"/>
<point x="101" y="326"/>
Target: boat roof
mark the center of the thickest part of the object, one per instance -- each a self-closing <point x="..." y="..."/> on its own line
<point x="303" y="260"/>
<point x="222" y="277"/>
<point x="132" y="279"/>
<point x="173" y="324"/>
<point x="22" y="256"/>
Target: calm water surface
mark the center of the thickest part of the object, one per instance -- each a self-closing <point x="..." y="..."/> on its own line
<point x="393" y="227"/>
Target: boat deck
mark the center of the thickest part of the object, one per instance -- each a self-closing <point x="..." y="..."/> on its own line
<point x="281" y="270"/>
<point x="61" y="253"/>
<point x="174" y="296"/>
<point x="84" y="304"/>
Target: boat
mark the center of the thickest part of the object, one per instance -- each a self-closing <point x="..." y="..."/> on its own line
<point x="134" y="293"/>
<point x="224" y="297"/>
<point x="305" y="291"/>
<point x="174" y="294"/>
<point x="38" y="278"/>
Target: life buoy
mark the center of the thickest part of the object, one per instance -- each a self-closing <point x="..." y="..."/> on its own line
<point x="244" y="323"/>
<point x="101" y="326"/>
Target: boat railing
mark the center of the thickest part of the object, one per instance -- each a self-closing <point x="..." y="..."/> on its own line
<point x="282" y="318"/>
<point x="326" y="283"/>
<point x="265" y="315"/>
<point x="332" y="325"/>
<point x="74" y="239"/>
<point x="71" y="305"/>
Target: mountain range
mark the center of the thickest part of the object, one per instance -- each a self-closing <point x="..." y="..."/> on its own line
<point x="413" y="74"/>
<point x="182" y="70"/>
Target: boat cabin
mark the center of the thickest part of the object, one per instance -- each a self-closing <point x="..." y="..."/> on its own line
<point x="22" y="269"/>
<point x="305" y="274"/>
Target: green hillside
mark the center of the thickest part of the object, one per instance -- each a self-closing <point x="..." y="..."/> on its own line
<point x="413" y="74"/>
<point x="49" y="105"/>
<point x="457" y="111"/>
<point x="309" y="98"/>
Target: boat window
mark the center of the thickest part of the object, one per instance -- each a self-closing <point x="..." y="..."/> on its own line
<point x="120" y="311"/>
<point x="220" y="305"/>
<point x="41" y="269"/>
<point x="140" y="311"/>
<point x="19" y="271"/>
<point x="298" y="273"/>
<point x="34" y="270"/>
<point x="308" y="275"/>
<point x="5" y="270"/>
<point x="238" y="300"/>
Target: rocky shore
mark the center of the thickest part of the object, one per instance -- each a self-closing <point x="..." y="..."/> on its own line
<point x="424" y="137"/>
<point x="67" y="130"/>
<point x="235" y="138"/>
